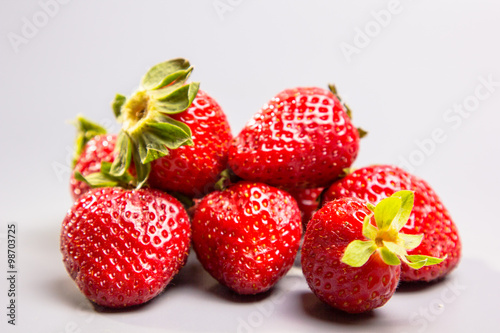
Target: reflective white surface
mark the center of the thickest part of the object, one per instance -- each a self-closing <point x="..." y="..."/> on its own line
<point x="465" y="301"/>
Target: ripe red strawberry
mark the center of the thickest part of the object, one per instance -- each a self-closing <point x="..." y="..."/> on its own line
<point x="308" y="200"/>
<point x="175" y="134"/>
<point x="193" y="170"/>
<point x="97" y="150"/>
<point x="92" y="146"/>
<point x="350" y="256"/>
<point x="303" y="137"/>
<point x="429" y="216"/>
<point x="247" y="236"/>
<point x="122" y="247"/>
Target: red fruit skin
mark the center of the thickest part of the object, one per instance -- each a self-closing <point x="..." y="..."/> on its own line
<point x="308" y="200"/>
<point x="350" y="289"/>
<point x="247" y="236"/>
<point x="428" y="217"/>
<point x="193" y="170"/>
<point x="301" y="138"/>
<point x="98" y="149"/>
<point x="122" y="247"/>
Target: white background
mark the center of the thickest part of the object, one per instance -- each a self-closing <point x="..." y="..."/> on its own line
<point x="410" y="70"/>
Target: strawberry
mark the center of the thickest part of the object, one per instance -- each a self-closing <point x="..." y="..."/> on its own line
<point x="193" y="170"/>
<point x="92" y="146"/>
<point x="176" y="135"/>
<point x="429" y="215"/>
<point x="97" y="150"/>
<point x="308" y="200"/>
<point x="352" y="251"/>
<point x="122" y="247"/>
<point x="303" y="137"/>
<point x="247" y="236"/>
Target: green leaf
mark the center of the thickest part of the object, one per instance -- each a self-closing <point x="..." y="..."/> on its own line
<point x="333" y="90"/>
<point x="358" y="252"/>
<point x="416" y="264"/>
<point x="370" y="206"/>
<point x="122" y="161"/>
<point x="227" y="178"/>
<point x="369" y="231"/>
<point x="154" y="140"/>
<point x="224" y="178"/>
<point x="155" y="148"/>
<point x="97" y="179"/>
<point x="361" y="132"/>
<point x="142" y="171"/>
<point x="104" y="178"/>
<point x="85" y="131"/>
<point x="389" y="257"/>
<point x="84" y="125"/>
<point x="170" y="132"/>
<point x="411" y="241"/>
<point x="165" y="73"/>
<point x="175" y="99"/>
<point x="386" y="211"/>
<point x="141" y="152"/>
<point x="117" y="105"/>
<point x="177" y="77"/>
<point x="414" y="261"/>
<point x="348" y="111"/>
<point x="418" y="261"/>
<point x="397" y="249"/>
<point x="105" y="167"/>
<point x="157" y="135"/>
<point x="407" y="198"/>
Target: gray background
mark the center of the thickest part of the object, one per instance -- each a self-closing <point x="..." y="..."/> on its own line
<point x="403" y="84"/>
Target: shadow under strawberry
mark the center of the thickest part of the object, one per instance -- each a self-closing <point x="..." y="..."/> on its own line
<point x="191" y="275"/>
<point x="418" y="286"/>
<point x="227" y="294"/>
<point x="313" y="307"/>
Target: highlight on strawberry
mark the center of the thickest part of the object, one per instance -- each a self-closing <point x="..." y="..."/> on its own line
<point x="352" y="251"/>
<point x="303" y="137"/>
<point x="247" y="235"/>
<point x="123" y="246"/>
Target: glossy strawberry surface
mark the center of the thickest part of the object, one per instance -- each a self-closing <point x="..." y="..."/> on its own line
<point x="350" y="289"/>
<point x="97" y="150"/>
<point x="429" y="216"/>
<point x="193" y="170"/>
<point x="303" y="137"/>
<point x="122" y="247"/>
<point x="247" y="236"/>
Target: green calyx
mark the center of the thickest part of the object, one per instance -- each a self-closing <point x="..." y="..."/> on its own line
<point x="85" y="131"/>
<point x="333" y="89"/>
<point x="226" y="178"/>
<point x="391" y="215"/>
<point x="105" y="179"/>
<point x="148" y="132"/>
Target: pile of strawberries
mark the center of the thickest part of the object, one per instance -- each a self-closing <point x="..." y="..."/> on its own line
<point x="175" y="177"/>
